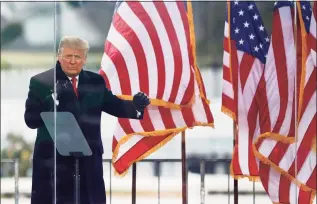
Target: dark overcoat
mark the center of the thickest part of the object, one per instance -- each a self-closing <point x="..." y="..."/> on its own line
<point x="93" y="98"/>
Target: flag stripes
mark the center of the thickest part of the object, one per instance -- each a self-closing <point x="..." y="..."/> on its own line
<point x="149" y="49"/>
<point x="288" y="162"/>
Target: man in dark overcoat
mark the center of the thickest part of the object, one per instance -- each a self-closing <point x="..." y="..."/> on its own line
<point x="84" y="94"/>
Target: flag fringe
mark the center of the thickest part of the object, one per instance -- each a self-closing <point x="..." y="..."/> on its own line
<point x="313" y="195"/>
<point x="228" y="112"/>
<point x="238" y="177"/>
<point x="251" y="178"/>
<point x="304" y="58"/>
<point x="275" y="136"/>
<point x="311" y="201"/>
<point x="190" y="17"/>
<point x="171" y="133"/>
<point x="162" y="103"/>
<point x="146" y="154"/>
<point x="313" y="145"/>
<point x="267" y="161"/>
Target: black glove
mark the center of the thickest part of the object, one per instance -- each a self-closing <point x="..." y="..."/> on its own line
<point x="140" y="101"/>
<point x="63" y="92"/>
<point x="48" y="103"/>
<point x="63" y="89"/>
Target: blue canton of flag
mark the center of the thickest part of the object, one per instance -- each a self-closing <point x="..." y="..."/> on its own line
<point x="280" y="4"/>
<point x="306" y="13"/>
<point x="247" y="29"/>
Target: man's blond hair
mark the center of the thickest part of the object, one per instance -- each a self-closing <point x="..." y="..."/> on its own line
<point x="74" y="43"/>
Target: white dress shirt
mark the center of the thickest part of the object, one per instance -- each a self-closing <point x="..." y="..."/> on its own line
<point x="77" y="77"/>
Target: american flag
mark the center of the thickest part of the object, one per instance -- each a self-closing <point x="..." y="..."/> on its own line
<point x="288" y="160"/>
<point x="149" y="48"/>
<point x="245" y="48"/>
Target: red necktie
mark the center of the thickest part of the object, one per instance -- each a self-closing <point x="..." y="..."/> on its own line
<point x="74" y="81"/>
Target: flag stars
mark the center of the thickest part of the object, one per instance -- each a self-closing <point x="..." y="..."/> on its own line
<point x="307" y="18"/>
<point x="241" y="12"/>
<point x="248" y="31"/>
<point x="304" y="7"/>
<point x="267" y="39"/>
<point x="251" y="36"/>
<point x="246" y="24"/>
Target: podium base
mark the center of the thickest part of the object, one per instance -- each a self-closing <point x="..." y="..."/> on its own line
<point x="76" y="155"/>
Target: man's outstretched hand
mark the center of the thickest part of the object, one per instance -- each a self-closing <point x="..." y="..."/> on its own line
<point x="141" y="101"/>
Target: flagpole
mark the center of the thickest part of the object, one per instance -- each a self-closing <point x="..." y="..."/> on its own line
<point x="235" y="181"/>
<point x="184" y="169"/>
<point x="134" y="183"/>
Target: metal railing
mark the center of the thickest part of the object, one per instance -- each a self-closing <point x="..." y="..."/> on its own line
<point x="202" y="166"/>
<point x="156" y="161"/>
<point x="203" y="163"/>
<point x="15" y="162"/>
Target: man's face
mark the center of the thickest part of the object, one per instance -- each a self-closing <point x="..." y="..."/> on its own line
<point x="72" y="61"/>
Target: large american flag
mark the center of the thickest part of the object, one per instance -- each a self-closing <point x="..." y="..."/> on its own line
<point x="288" y="160"/>
<point x="149" y="48"/>
<point x="245" y="47"/>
